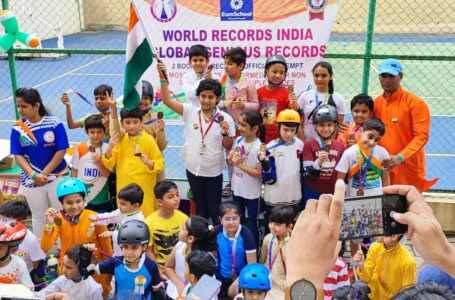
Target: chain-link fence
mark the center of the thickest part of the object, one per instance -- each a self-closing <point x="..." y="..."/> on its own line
<point x="83" y="44"/>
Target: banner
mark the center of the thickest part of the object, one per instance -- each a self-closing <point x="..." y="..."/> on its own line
<point x="297" y="29"/>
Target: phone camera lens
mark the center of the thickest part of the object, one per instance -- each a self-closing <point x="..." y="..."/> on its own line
<point x="393" y="224"/>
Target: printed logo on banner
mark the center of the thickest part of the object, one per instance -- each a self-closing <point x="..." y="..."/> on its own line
<point x="316" y="8"/>
<point x="163" y="10"/>
<point x="236" y="10"/>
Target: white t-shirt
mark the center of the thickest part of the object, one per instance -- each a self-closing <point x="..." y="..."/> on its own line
<point x="190" y="82"/>
<point x="89" y="173"/>
<point x="244" y="185"/>
<point x="287" y="189"/>
<point x="205" y="160"/>
<point x="15" y="272"/>
<point x="30" y="250"/>
<point x="87" y="289"/>
<point x="117" y="217"/>
<point x="180" y="259"/>
<point x="307" y="102"/>
<point x="373" y="182"/>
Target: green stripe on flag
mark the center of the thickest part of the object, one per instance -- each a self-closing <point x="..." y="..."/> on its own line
<point x="139" y="62"/>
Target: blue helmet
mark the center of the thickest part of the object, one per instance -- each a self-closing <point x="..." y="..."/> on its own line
<point x="70" y="186"/>
<point x="254" y="277"/>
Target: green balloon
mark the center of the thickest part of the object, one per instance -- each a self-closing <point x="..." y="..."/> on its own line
<point x="6" y="42"/>
<point x="10" y="23"/>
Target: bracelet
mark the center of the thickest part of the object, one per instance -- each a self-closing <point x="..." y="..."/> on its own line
<point x="49" y="226"/>
<point x="401" y="157"/>
<point x="163" y="80"/>
<point x="34" y="174"/>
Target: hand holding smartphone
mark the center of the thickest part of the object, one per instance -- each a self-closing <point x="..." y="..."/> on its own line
<point x="206" y="288"/>
<point x="370" y="216"/>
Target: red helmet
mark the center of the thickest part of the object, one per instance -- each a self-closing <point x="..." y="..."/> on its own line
<point x="12" y="232"/>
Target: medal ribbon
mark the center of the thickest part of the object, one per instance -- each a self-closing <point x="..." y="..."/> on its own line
<point x="272" y="261"/>
<point x="138" y="141"/>
<point x="204" y="134"/>
<point x="233" y="254"/>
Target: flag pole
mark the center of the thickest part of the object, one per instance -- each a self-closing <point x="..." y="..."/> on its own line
<point x="147" y="37"/>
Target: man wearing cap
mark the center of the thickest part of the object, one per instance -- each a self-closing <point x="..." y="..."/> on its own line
<point x="407" y="120"/>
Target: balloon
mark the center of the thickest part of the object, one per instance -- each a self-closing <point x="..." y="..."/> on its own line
<point x="9" y="22"/>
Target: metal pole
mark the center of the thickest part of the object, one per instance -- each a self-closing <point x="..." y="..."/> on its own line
<point x="368" y="46"/>
<point x="12" y="67"/>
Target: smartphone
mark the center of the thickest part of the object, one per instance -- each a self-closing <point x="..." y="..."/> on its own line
<point x="206" y="288"/>
<point x="369" y="216"/>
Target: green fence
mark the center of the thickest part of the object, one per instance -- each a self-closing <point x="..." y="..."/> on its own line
<point x="83" y="33"/>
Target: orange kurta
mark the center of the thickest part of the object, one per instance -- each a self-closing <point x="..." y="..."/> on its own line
<point x="71" y="234"/>
<point x="407" y="121"/>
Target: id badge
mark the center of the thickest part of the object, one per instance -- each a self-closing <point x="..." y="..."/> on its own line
<point x="202" y="149"/>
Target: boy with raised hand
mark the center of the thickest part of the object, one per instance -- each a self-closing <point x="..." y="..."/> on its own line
<point x="165" y="223"/>
<point x="103" y="94"/>
<point x="136" y="158"/>
<point x="199" y="61"/>
<point x="88" y="166"/>
<point x="362" y="107"/>
<point x="388" y="268"/>
<point x="361" y="164"/>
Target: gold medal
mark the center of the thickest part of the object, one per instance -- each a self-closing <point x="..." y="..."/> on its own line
<point x="360" y="192"/>
<point x="290" y="88"/>
<point x="263" y="148"/>
<point x="91" y="230"/>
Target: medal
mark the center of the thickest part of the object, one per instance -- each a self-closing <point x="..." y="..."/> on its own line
<point x="92" y="149"/>
<point x="58" y="221"/>
<point x="290" y="88"/>
<point x="351" y="137"/>
<point x="91" y="230"/>
<point x="160" y="115"/>
<point x="327" y="147"/>
<point x="220" y="119"/>
<point x="360" y="192"/>
<point x="138" y="154"/>
<point x="263" y="148"/>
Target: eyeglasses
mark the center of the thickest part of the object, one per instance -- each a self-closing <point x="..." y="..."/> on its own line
<point x="387" y="75"/>
<point x="231" y="219"/>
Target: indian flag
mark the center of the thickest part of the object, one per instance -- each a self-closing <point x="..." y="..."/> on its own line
<point x="139" y="53"/>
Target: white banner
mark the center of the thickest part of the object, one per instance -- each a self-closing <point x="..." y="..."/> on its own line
<point x="297" y="29"/>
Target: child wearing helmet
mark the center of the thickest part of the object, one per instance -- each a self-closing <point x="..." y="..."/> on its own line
<point x="273" y="97"/>
<point x="254" y="282"/>
<point x="284" y="157"/>
<point x="73" y="226"/>
<point x="322" y="154"/>
<point x="136" y="275"/>
<point x="13" y="269"/>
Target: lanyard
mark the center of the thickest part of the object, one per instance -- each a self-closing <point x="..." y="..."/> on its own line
<point x="272" y="261"/>
<point x="232" y="251"/>
<point x="275" y="146"/>
<point x="363" y="176"/>
<point x="138" y="141"/>
<point x="242" y="149"/>
<point x="204" y="134"/>
<point x="317" y="99"/>
<point x="236" y="89"/>
<point x="354" y="130"/>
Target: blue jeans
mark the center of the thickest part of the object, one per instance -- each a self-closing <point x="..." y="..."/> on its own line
<point x="252" y="206"/>
<point x="207" y="194"/>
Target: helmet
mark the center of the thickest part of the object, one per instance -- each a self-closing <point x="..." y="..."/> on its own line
<point x="288" y="116"/>
<point x="12" y="232"/>
<point x="325" y="113"/>
<point x="147" y="89"/>
<point x="254" y="277"/>
<point x="133" y="232"/>
<point x="276" y="59"/>
<point x="70" y="186"/>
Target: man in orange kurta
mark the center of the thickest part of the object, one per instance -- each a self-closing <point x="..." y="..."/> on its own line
<point x="407" y="121"/>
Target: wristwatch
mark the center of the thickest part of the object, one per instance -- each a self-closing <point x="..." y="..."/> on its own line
<point x="302" y="289"/>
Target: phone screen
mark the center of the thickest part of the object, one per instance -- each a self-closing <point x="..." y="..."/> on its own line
<point x="206" y="288"/>
<point x="370" y="216"/>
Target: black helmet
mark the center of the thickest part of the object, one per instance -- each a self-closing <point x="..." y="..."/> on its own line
<point x="133" y="232"/>
<point x="325" y="113"/>
<point x="274" y="59"/>
<point x="147" y="89"/>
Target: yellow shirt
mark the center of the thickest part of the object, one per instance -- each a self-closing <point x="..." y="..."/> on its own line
<point x="164" y="233"/>
<point x="130" y="169"/>
<point x="387" y="271"/>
